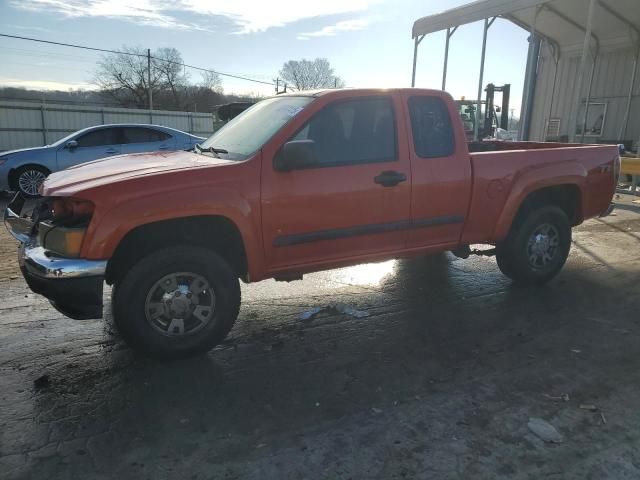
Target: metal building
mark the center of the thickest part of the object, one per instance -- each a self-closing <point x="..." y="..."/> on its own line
<point x="581" y="82"/>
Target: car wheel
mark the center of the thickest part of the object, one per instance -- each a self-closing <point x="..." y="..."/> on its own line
<point x="537" y="247"/>
<point x="176" y="302"/>
<point x="28" y="180"/>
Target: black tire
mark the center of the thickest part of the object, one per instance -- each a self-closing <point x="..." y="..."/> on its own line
<point x="131" y="295"/>
<point x="517" y="256"/>
<point x="28" y="178"/>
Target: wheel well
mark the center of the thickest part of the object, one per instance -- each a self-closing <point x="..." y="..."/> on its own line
<point x="213" y="232"/>
<point x="13" y="173"/>
<point x="567" y="197"/>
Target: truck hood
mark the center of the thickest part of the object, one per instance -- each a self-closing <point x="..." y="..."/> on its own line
<point x="125" y="167"/>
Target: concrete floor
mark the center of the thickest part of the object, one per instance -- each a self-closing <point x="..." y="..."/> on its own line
<point x="438" y="382"/>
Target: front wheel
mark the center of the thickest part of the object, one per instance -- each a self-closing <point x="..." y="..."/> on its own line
<point x="537" y="246"/>
<point x="28" y="180"/>
<point x="177" y="302"/>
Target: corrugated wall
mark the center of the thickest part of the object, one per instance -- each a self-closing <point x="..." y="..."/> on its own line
<point x="28" y="124"/>
<point x="611" y="83"/>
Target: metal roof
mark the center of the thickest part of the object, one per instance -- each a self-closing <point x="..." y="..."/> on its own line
<point x="559" y="21"/>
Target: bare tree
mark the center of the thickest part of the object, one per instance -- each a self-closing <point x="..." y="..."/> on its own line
<point x="123" y="77"/>
<point x="211" y="81"/>
<point x="309" y="74"/>
<point x="171" y="75"/>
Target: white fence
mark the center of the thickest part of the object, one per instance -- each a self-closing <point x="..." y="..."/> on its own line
<point x="32" y="124"/>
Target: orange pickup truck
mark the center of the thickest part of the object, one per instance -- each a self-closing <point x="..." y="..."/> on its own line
<point x="295" y="184"/>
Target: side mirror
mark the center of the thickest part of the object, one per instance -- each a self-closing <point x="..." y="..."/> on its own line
<point x="296" y="154"/>
<point x="71" y="144"/>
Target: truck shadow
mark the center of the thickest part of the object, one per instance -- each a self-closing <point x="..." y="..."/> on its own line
<point x="436" y="326"/>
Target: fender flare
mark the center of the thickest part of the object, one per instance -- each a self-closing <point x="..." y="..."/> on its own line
<point x="534" y="179"/>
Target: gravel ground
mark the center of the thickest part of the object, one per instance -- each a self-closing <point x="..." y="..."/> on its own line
<point x="439" y="381"/>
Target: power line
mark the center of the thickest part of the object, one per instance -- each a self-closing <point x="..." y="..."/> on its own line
<point x="117" y="52"/>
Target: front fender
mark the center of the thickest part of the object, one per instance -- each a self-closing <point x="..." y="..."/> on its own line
<point x="41" y="157"/>
<point x="108" y="229"/>
<point x="536" y="178"/>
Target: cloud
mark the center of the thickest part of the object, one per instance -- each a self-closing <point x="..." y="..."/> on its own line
<point x="258" y="16"/>
<point x="44" y="84"/>
<point x="333" y="30"/>
<point x="248" y="16"/>
<point x="142" y="12"/>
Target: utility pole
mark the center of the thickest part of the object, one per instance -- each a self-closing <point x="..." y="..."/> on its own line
<point x="277" y="86"/>
<point x="149" y="84"/>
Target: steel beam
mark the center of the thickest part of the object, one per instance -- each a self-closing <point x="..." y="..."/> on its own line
<point x="627" y="111"/>
<point x="556" y="61"/>
<point x="416" y="42"/>
<point x="450" y="32"/>
<point x="531" y="72"/>
<point x="588" y="100"/>
<point x="487" y="24"/>
<point x="583" y="59"/>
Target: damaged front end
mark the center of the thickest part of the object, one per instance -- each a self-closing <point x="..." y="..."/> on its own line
<point x="50" y="237"/>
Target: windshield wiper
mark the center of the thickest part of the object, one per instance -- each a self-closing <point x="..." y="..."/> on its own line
<point x="214" y="150"/>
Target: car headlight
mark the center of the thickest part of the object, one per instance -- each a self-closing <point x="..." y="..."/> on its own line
<point x="64" y="230"/>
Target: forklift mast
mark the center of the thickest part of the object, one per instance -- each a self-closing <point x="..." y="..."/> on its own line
<point x="490" y="111"/>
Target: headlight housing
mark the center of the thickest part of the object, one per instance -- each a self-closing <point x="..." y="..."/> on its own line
<point x="66" y="223"/>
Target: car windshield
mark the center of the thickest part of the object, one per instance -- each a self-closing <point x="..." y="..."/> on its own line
<point x="250" y="130"/>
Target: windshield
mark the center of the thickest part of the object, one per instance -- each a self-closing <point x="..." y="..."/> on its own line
<point x="250" y="130"/>
<point x="65" y="139"/>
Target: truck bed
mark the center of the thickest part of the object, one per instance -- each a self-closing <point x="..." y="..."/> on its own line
<point x="503" y="145"/>
<point x="505" y="172"/>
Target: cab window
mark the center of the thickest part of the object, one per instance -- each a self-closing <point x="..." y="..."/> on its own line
<point x="352" y="132"/>
<point x="431" y="127"/>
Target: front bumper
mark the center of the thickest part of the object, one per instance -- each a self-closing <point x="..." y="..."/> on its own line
<point x="72" y="285"/>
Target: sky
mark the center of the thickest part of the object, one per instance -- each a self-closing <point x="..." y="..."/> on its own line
<point x="368" y="42"/>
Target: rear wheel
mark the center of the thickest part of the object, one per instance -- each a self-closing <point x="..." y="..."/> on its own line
<point x="537" y="246"/>
<point x="177" y="302"/>
<point x="27" y="180"/>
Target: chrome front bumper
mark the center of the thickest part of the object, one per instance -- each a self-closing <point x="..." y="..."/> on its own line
<point x="72" y="285"/>
<point x="45" y="264"/>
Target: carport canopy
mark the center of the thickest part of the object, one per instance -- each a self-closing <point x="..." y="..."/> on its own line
<point x="566" y="25"/>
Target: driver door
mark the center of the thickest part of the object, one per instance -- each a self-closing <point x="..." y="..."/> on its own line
<point x="93" y="145"/>
<point x="342" y="207"/>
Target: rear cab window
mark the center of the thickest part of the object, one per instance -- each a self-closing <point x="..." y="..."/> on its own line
<point x="431" y="127"/>
<point x="352" y="132"/>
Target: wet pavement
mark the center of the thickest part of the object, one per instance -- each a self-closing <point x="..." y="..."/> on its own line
<point x="439" y="381"/>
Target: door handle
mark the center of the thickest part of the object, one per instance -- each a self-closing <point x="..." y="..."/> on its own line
<point x="390" y="178"/>
<point x="163" y="147"/>
<point x="111" y="150"/>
